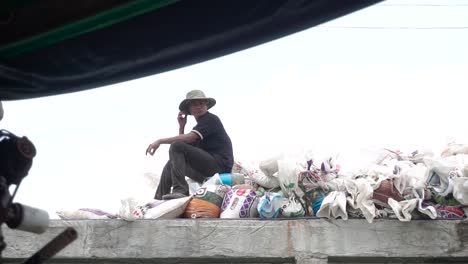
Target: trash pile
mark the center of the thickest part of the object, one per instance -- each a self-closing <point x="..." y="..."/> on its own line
<point x="402" y="186"/>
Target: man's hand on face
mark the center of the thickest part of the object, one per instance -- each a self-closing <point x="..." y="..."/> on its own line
<point x="152" y="148"/>
<point x="182" y="119"/>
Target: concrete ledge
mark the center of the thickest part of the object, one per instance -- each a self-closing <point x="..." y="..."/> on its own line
<point x="306" y="240"/>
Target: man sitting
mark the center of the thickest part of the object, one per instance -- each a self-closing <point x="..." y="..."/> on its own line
<point x="199" y="154"/>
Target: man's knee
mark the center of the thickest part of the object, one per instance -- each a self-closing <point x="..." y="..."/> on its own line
<point x="177" y="146"/>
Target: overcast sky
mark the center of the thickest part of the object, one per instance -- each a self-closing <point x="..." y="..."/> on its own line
<point x="393" y="75"/>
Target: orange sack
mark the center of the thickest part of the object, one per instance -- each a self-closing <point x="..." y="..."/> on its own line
<point x="207" y="202"/>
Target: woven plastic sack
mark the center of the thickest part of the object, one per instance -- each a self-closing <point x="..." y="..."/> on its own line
<point x="207" y="202"/>
<point x="270" y="166"/>
<point x="162" y="209"/>
<point x="268" y="182"/>
<point x="85" y="213"/>
<point x="239" y="203"/>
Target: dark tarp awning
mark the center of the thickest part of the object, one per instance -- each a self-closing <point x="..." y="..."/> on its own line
<point x="50" y="47"/>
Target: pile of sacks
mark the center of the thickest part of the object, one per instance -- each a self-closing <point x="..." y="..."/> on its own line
<point x="410" y="186"/>
<point x="403" y="186"/>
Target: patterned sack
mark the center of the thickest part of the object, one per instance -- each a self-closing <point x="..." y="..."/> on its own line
<point x="207" y="202"/>
<point x="239" y="203"/>
<point x="140" y="210"/>
<point x="449" y="212"/>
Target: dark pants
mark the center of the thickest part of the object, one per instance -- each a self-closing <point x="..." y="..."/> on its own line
<point x="185" y="160"/>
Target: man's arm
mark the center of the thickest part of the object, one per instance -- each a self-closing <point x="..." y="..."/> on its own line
<point x="187" y="138"/>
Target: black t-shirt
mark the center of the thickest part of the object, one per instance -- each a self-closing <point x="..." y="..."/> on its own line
<point x="215" y="140"/>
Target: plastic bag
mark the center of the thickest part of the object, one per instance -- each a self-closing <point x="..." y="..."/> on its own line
<point x="410" y="178"/>
<point x="245" y="168"/>
<point x="460" y="190"/>
<point x="270" y="205"/>
<point x="329" y="166"/>
<point x="334" y="206"/>
<point x="360" y="197"/>
<point x="440" y="173"/>
<point x="288" y="176"/>
<point x="126" y="209"/>
<point x="193" y="185"/>
<point x="403" y="209"/>
<point x="293" y="209"/>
